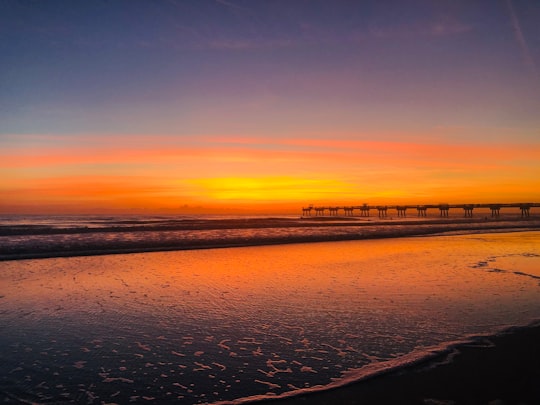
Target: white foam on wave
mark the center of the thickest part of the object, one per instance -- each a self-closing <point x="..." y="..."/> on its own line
<point x="433" y="356"/>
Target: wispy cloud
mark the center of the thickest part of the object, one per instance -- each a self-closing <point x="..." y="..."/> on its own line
<point x="520" y="39"/>
<point x="233" y="155"/>
<point x="232" y="5"/>
<point x="436" y="28"/>
<point x="445" y="28"/>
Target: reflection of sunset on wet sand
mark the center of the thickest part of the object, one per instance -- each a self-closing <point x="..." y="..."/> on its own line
<point x="273" y="319"/>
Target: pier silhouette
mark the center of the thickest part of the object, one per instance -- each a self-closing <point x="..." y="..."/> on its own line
<point x="421" y="210"/>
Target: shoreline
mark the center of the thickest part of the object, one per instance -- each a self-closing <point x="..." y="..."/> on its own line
<point x="253" y="223"/>
<point x="268" y="232"/>
<point x="496" y="369"/>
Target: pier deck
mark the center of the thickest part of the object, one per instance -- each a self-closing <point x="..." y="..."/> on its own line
<point x="421" y="210"/>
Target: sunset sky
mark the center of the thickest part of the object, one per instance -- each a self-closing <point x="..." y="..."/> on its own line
<point x="201" y="106"/>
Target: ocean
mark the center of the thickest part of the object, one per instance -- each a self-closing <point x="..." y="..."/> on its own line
<point x="52" y="236"/>
<point x="261" y="319"/>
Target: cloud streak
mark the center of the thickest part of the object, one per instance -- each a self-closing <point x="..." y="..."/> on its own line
<point x="520" y="39"/>
<point x="294" y="151"/>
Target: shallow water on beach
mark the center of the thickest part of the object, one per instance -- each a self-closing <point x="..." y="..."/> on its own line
<point x="65" y="236"/>
<point x="223" y="324"/>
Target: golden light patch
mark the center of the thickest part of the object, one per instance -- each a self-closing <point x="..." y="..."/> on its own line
<point x="271" y="188"/>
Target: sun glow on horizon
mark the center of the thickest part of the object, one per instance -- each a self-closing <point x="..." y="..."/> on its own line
<point x="259" y="173"/>
<point x="268" y="189"/>
<point x="176" y="106"/>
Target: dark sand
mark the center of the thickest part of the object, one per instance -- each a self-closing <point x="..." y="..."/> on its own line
<point x="504" y="369"/>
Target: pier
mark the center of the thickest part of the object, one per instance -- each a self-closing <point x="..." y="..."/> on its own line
<point x="421" y="210"/>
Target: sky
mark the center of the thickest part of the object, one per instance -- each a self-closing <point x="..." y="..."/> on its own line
<point x="252" y="106"/>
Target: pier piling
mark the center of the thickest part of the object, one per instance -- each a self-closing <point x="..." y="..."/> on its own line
<point x="382" y="210"/>
<point x="401" y="211"/>
<point x="495" y="210"/>
<point x="525" y="208"/>
<point x="468" y="209"/>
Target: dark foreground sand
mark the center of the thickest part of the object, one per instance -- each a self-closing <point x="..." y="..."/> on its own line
<point x="504" y="369"/>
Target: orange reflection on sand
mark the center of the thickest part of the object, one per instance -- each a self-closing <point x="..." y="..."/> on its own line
<point x="287" y="316"/>
<point x="390" y="275"/>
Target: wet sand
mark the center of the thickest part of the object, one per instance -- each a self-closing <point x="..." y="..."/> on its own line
<point x="498" y="370"/>
<point x="62" y="318"/>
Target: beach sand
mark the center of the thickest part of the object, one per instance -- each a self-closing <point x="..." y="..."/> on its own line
<point x="504" y="369"/>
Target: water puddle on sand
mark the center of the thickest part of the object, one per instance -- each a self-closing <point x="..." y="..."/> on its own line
<point x="220" y="324"/>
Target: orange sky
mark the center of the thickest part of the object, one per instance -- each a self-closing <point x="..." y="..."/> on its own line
<point x="257" y="174"/>
<point x="265" y="107"/>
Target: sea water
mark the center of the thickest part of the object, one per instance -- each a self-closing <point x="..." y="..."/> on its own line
<point x="223" y="325"/>
<point x="56" y="236"/>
